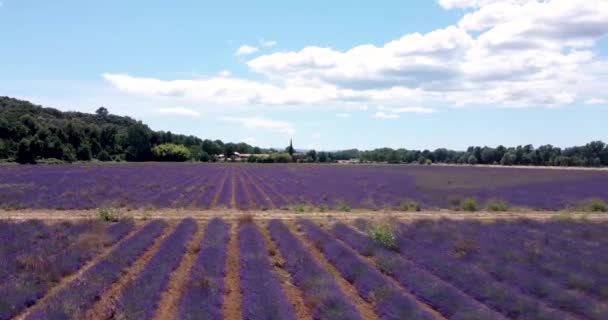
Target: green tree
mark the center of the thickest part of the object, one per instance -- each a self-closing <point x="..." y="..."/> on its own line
<point x="104" y="156"/>
<point x="290" y="150"/>
<point x="138" y="142"/>
<point x="84" y="152"/>
<point x="171" y="152"/>
<point x="24" y="153"/>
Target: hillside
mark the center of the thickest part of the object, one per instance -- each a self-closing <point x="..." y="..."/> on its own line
<point x="30" y="133"/>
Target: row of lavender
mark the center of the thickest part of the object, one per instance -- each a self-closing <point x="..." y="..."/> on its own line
<point x="524" y="269"/>
<point x="248" y="186"/>
<point x="459" y="269"/>
<point x="34" y="256"/>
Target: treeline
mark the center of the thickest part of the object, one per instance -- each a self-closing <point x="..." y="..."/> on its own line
<point x="33" y="134"/>
<point x="593" y="154"/>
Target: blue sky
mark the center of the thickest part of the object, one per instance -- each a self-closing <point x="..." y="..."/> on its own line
<point x="329" y="74"/>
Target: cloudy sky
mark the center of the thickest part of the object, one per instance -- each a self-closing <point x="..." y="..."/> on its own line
<point x="329" y="74"/>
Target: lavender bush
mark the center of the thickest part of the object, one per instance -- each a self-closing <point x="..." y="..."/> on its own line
<point x="263" y="297"/>
<point x="48" y="254"/>
<point x="447" y="299"/>
<point x="77" y="297"/>
<point x="204" y="293"/>
<point x="140" y="298"/>
<point x="388" y="301"/>
<point x="320" y="290"/>
<point x="284" y="185"/>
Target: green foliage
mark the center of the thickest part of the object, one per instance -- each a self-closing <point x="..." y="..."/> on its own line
<point x="468" y="204"/>
<point x="428" y="162"/>
<point x="597" y="205"/>
<point x="109" y="214"/>
<point x="593" y="205"/>
<point x="383" y="235"/>
<point x="104" y="156"/>
<point x="24" y="153"/>
<point x="409" y="206"/>
<point x="84" y="153"/>
<point x="343" y="206"/>
<point x="496" y="206"/>
<point x="171" y="152"/>
<point x="300" y="207"/>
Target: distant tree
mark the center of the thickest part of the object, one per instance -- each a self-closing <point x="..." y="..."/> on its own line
<point x="102" y="111"/>
<point x="311" y="155"/>
<point x="472" y="159"/>
<point x="488" y="155"/>
<point x="138" y="141"/>
<point x="69" y="154"/>
<point x="104" y="156"/>
<point x="508" y="159"/>
<point x="24" y="153"/>
<point x="290" y="150"/>
<point x="171" y="152"/>
<point x="84" y="152"/>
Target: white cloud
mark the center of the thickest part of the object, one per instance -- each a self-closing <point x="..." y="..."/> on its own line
<point x="413" y="110"/>
<point x="394" y="113"/>
<point x="502" y="53"/>
<point x="595" y="101"/>
<point x="245" y="49"/>
<point x="343" y="115"/>
<point x="179" y="112"/>
<point x="249" y="140"/>
<point x="268" y="43"/>
<point x="224" y="73"/>
<point x="385" y="115"/>
<point x="262" y="123"/>
<point x="316" y="135"/>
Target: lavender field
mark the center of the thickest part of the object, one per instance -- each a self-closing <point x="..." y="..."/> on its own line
<point x="249" y="186"/>
<point x="304" y="269"/>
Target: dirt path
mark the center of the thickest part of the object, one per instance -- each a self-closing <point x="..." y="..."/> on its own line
<point x="231" y="309"/>
<point x="104" y="307"/>
<point x="293" y="293"/>
<point x="365" y="310"/>
<point x="229" y="214"/>
<point x="65" y="281"/>
<point x="168" y="303"/>
<point x="216" y="196"/>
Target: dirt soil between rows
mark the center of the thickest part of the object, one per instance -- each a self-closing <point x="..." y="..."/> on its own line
<point x="227" y="214"/>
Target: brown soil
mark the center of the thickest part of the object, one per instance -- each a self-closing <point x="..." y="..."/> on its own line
<point x="293" y="293"/>
<point x="365" y="310"/>
<point x="68" y="279"/>
<point x="271" y="187"/>
<point x="168" y="303"/>
<point x="216" y="196"/>
<point x="260" y="190"/>
<point x="252" y="204"/>
<point x="231" y="309"/>
<point x="399" y="286"/>
<point x="105" y="305"/>
<point x="228" y="214"/>
<point x="233" y="190"/>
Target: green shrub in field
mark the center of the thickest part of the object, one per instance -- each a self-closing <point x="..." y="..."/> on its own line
<point x="596" y="205"/>
<point x="383" y="235"/>
<point x="496" y="206"/>
<point x="343" y="206"/>
<point x="109" y="214"/>
<point x="300" y="207"/>
<point x="468" y="204"/>
<point x="409" y="206"/>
